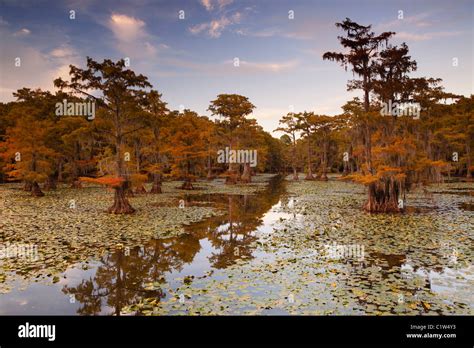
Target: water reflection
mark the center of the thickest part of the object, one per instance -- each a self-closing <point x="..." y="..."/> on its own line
<point x="427" y="269"/>
<point x="125" y="276"/>
<point x="121" y="277"/>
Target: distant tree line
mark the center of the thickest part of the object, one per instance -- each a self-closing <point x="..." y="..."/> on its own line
<point x="134" y="138"/>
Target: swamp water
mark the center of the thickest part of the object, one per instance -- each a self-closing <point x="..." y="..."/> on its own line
<point x="270" y="253"/>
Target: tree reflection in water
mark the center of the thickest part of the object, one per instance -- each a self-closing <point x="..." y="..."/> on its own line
<point x="121" y="278"/>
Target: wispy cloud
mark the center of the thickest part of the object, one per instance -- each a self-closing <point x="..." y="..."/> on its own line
<point x="210" y="5"/>
<point x="207" y="4"/>
<point x="268" y="67"/>
<point x="63" y="51"/>
<point x="23" y="32"/>
<point x="263" y="33"/>
<point x="426" y="36"/>
<point x="410" y="28"/>
<point x="308" y="29"/>
<point x="300" y="30"/>
<point x="227" y="67"/>
<point x="215" y="27"/>
<point x="420" y="20"/>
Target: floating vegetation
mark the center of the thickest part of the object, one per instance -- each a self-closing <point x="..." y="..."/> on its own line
<point x="69" y="225"/>
<point x="418" y="263"/>
<point x="291" y="248"/>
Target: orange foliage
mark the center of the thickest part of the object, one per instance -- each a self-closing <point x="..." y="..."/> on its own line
<point x="106" y="180"/>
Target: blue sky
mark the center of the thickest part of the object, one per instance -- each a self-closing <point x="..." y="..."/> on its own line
<point x="191" y="60"/>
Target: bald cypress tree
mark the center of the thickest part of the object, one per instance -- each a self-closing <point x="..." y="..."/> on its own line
<point x="120" y="93"/>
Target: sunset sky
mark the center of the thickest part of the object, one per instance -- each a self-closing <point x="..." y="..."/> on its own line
<point x="191" y="60"/>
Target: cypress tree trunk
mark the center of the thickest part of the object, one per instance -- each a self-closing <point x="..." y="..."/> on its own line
<point x="209" y="174"/>
<point x="156" y="188"/>
<point x="246" y="175"/>
<point x="309" y="174"/>
<point x="295" y="171"/>
<point x="140" y="190"/>
<point x="383" y="197"/>
<point x="295" y="174"/>
<point x="121" y="204"/>
<point x="209" y="167"/>
<point x="51" y="183"/>
<point x="468" y="153"/>
<point x="324" y="161"/>
<point x="76" y="184"/>
<point x="232" y="174"/>
<point x="36" y="190"/>
<point x="28" y="186"/>
<point x="187" y="184"/>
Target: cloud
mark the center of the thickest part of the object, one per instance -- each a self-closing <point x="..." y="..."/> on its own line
<point x="301" y="30"/>
<point x="410" y="27"/>
<point x="63" y="51"/>
<point x="210" y="5"/>
<point x="182" y="67"/>
<point x="207" y="4"/>
<point x="419" y="20"/>
<point x="131" y="36"/>
<point x="224" y="3"/>
<point x="39" y="64"/>
<point x="198" y="28"/>
<point x="269" y="67"/>
<point x="187" y="67"/>
<point x="126" y="28"/>
<point x="308" y="30"/>
<point x="215" y="27"/>
<point x="264" y="33"/>
<point x="426" y="36"/>
<point x="37" y="70"/>
<point x="22" y="32"/>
